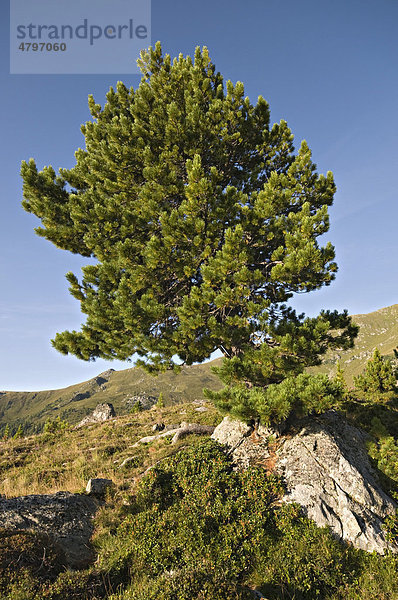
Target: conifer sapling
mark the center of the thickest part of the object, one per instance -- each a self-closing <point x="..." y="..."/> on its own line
<point x="378" y="380"/>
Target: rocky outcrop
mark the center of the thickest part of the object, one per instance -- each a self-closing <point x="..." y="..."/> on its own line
<point x="142" y="402"/>
<point x="326" y="470"/>
<point x="66" y="518"/>
<point x="102" y="413"/>
<point x="104" y="376"/>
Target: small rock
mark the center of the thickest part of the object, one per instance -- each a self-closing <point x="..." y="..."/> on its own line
<point x="171" y="426"/>
<point x="201" y="409"/>
<point x="158" y="427"/>
<point x="177" y="431"/>
<point x="98" y="487"/>
<point x="191" y="428"/>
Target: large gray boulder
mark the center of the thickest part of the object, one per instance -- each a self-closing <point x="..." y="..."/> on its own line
<point x="67" y="519"/>
<point x="326" y="470"/>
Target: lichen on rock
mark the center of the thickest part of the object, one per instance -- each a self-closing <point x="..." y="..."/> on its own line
<point x="66" y="518"/>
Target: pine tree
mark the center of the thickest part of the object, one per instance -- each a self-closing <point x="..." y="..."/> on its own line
<point x="55" y="425"/>
<point x="395" y="363"/>
<point x="160" y="402"/>
<point x="378" y="381"/>
<point x="6" y="432"/>
<point x="19" y="433"/>
<point x="203" y="222"/>
<point x="340" y="379"/>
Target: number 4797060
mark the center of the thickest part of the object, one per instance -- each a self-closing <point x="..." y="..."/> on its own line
<point x="42" y="46"/>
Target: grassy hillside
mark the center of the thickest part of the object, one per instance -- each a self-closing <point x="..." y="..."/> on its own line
<point x="377" y="329"/>
<point x="190" y="528"/>
<point x="118" y="387"/>
<point x="65" y="460"/>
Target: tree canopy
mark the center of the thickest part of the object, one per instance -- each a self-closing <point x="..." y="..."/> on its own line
<point x="202" y="222"/>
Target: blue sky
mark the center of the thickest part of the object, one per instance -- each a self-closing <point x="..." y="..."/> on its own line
<point x="328" y="67"/>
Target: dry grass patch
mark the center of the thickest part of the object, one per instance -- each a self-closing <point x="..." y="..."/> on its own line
<point x="66" y="460"/>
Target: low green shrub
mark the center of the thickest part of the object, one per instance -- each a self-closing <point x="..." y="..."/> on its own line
<point x="384" y="450"/>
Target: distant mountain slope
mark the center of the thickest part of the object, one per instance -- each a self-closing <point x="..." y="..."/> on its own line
<point x="377" y="329"/>
<point x="118" y="387"/>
